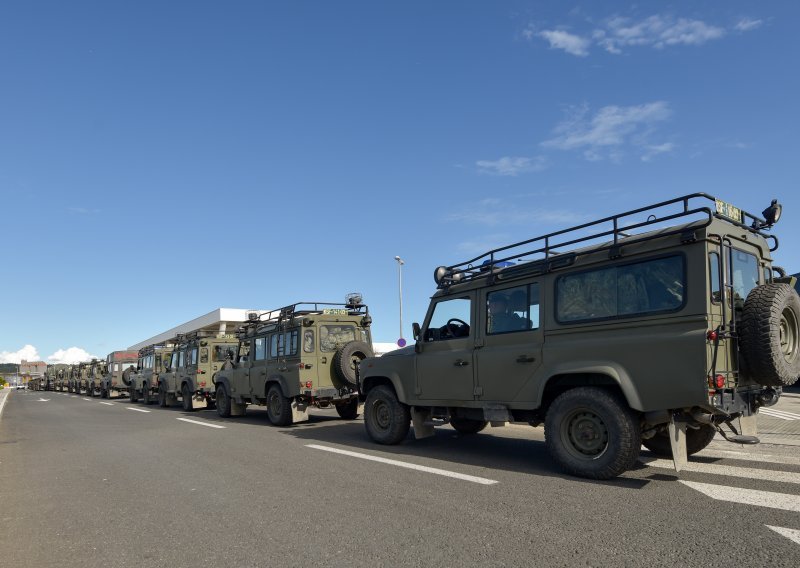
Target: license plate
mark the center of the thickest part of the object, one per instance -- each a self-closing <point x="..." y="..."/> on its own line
<point x="729" y="211"/>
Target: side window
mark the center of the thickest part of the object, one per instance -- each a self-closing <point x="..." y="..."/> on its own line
<point x="181" y="359"/>
<point x="743" y="274"/>
<point x="204" y="354"/>
<point x="261" y="348"/>
<point x="244" y="351"/>
<point x="193" y="360"/>
<point x="175" y="361"/>
<point x="450" y="319"/>
<point x="308" y="341"/>
<point x="512" y="309"/>
<point x="714" y="277"/>
<point x="621" y="291"/>
<point x="158" y="364"/>
<point x="291" y="343"/>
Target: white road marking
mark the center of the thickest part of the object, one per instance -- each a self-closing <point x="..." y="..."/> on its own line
<point x="782" y="414"/>
<point x="729" y="470"/>
<point x="108" y="403"/>
<point x="138" y="409"/>
<point x="755" y="497"/>
<point x="791" y="534"/>
<point x="426" y="469"/>
<point x="43" y="400"/>
<point x="200" y="423"/>
<point x="89" y="399"/>
<point x="749" y="456"/>
<point x="2" y="404"/>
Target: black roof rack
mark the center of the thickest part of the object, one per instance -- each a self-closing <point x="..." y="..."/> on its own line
<point x="286" y="313"/>
<point x="612" y="232"/>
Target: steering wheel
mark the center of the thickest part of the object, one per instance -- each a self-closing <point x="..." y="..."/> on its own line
<point x="452" y="329"/>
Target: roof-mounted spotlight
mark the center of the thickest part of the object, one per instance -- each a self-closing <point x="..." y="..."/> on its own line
<point x="771" y="216"/>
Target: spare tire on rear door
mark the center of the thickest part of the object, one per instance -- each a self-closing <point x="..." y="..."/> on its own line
<point x="345" y="361"/>
<point x="126" y="376"/>
<point x="769" y="335"/>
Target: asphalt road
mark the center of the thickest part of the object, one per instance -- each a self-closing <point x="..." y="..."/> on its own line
<point x="91" y="484"/>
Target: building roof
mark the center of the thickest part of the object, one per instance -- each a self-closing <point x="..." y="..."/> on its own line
<point x="221" y="320"/>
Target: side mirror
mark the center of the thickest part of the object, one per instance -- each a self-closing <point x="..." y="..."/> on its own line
<point x="415" y="329"/>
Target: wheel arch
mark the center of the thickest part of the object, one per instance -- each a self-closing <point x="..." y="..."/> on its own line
<point x="369" y="383"/>
<point x="279" y="380"/>
<point x="610" y="377"/>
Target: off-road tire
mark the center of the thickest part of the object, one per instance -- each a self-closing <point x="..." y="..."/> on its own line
<point x="387" y="419"/>
<point x="696" y="440"/>
<point x="162" y="396"/>
<point x="591" y="433"/>
<point x="279" y="408"/>
<point x="132" y="394"/>
<point x="223" y="402"/>
<point x="146" y="400"/>
<point x="467" y="425"/>
<point x="126" y="376"/>
<point x="348" y="411"/>
<point x="187" y="398"/>
<point x="770" y="334"/>
<point x="345" y="360"/>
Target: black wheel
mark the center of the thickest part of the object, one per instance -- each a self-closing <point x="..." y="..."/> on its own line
<point x="696" y="440"/>
<point x="590" y="433"/>
<point x="146" y="394"/>
<point x="103" y="393"/>
<point x="162" y="396"/>
<point x="132" y="394"/>
<point x="467" y="425"/>
<point x="770" y="335"/>
<point x="346" y="359"/>
<point x="348" y="411"/>
<point x="279" y="408"/>
<point x="223" y="402"/>
<point x="387" y="419"/>
<point x="187" y="398"/>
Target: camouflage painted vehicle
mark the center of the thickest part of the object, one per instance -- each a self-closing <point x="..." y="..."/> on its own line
<point x="669" y="326"/>
<point x="144" y="383"/>
<point x="193" y="362"/>
<point x="117" y="363"/>
<point x="299" y="356"/>
<point x="95" y="372"/>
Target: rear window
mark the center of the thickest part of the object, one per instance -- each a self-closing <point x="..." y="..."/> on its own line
<point x="629" y="290"/>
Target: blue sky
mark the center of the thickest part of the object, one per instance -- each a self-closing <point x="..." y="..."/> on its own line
<point x="162" y="159"/>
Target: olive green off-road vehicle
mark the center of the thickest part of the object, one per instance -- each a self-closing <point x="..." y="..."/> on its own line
<point x="117" y="365"/>
<point x="188" y="375"/>
<point x="61" y="372"/>
<point x="144" y="383"/>
<point x="667" y="325"/>
<point x="302" y="355"/>
<point x="94" y="377"/>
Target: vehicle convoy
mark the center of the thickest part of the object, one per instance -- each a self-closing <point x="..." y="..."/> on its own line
<point x="302" y="355"/>
<point x="144" y="383"/>
<point x="188" y="376"/>
<point x="116" y="365"/>
<point x="670" y="324"/>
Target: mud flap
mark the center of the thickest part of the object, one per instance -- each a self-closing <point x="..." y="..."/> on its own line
<point x="421" y="420"/>
<point x="748" y="425"/>
<point x="299" y="412"/>
<point x="238" y="408"/>
<point x="677" y="442"/>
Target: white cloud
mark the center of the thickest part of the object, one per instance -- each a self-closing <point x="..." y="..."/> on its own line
<point x="610" y="130"/>
<point x="28" y="352"/>
<point x="570" y="43"/>
<point x="511" y="165"/>
<point x="654" y="150"/>
<point x="71" y="355"/>
<point x="747" y="24"/>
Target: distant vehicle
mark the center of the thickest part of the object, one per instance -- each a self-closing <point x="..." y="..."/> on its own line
<point x="20" y="386"/>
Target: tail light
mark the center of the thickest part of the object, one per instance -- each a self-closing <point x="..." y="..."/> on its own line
<point x="717" y="382"/>
<point x="712" y="335"/>
<point x="309" y="384"/>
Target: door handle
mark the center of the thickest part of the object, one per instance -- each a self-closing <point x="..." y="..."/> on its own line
<point x="525" y="359"/>
<point x="461" y="363"/>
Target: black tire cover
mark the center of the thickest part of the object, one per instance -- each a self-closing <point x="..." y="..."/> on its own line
<point x="343" y="360"/>
<point x="126" y="376"/>
<point x="769" y="335"/>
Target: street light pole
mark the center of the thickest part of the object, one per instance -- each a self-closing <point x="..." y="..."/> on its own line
<point x="400" y="264"/>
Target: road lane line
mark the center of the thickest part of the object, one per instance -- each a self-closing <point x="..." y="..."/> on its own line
<point x="108" y="403"/>
<point x="426" y="469"/>
<point x="138" y="409"/>
<point x="89" y="399"/>
<point x="729" y="470"/>
<point x="200" y="423"/>
<point x="749" y="456"/>
<point x="3" y="404"/>
<point x="791" y="534"/>
<point x="755" y="497"/>
<point x="779" y="414"/>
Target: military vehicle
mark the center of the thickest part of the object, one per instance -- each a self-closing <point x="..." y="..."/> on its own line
<point x="302" y="355"/>
<point x="117" y="363"/>
<point x="144" y="383"/>
<point x="188" y="376"/>
<point x="667" y="326"/>
<point x="49" y="379"/>
<point x="73" y="378"/>
<point x="96" y="370"/>
<point x="61" y="373"/>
